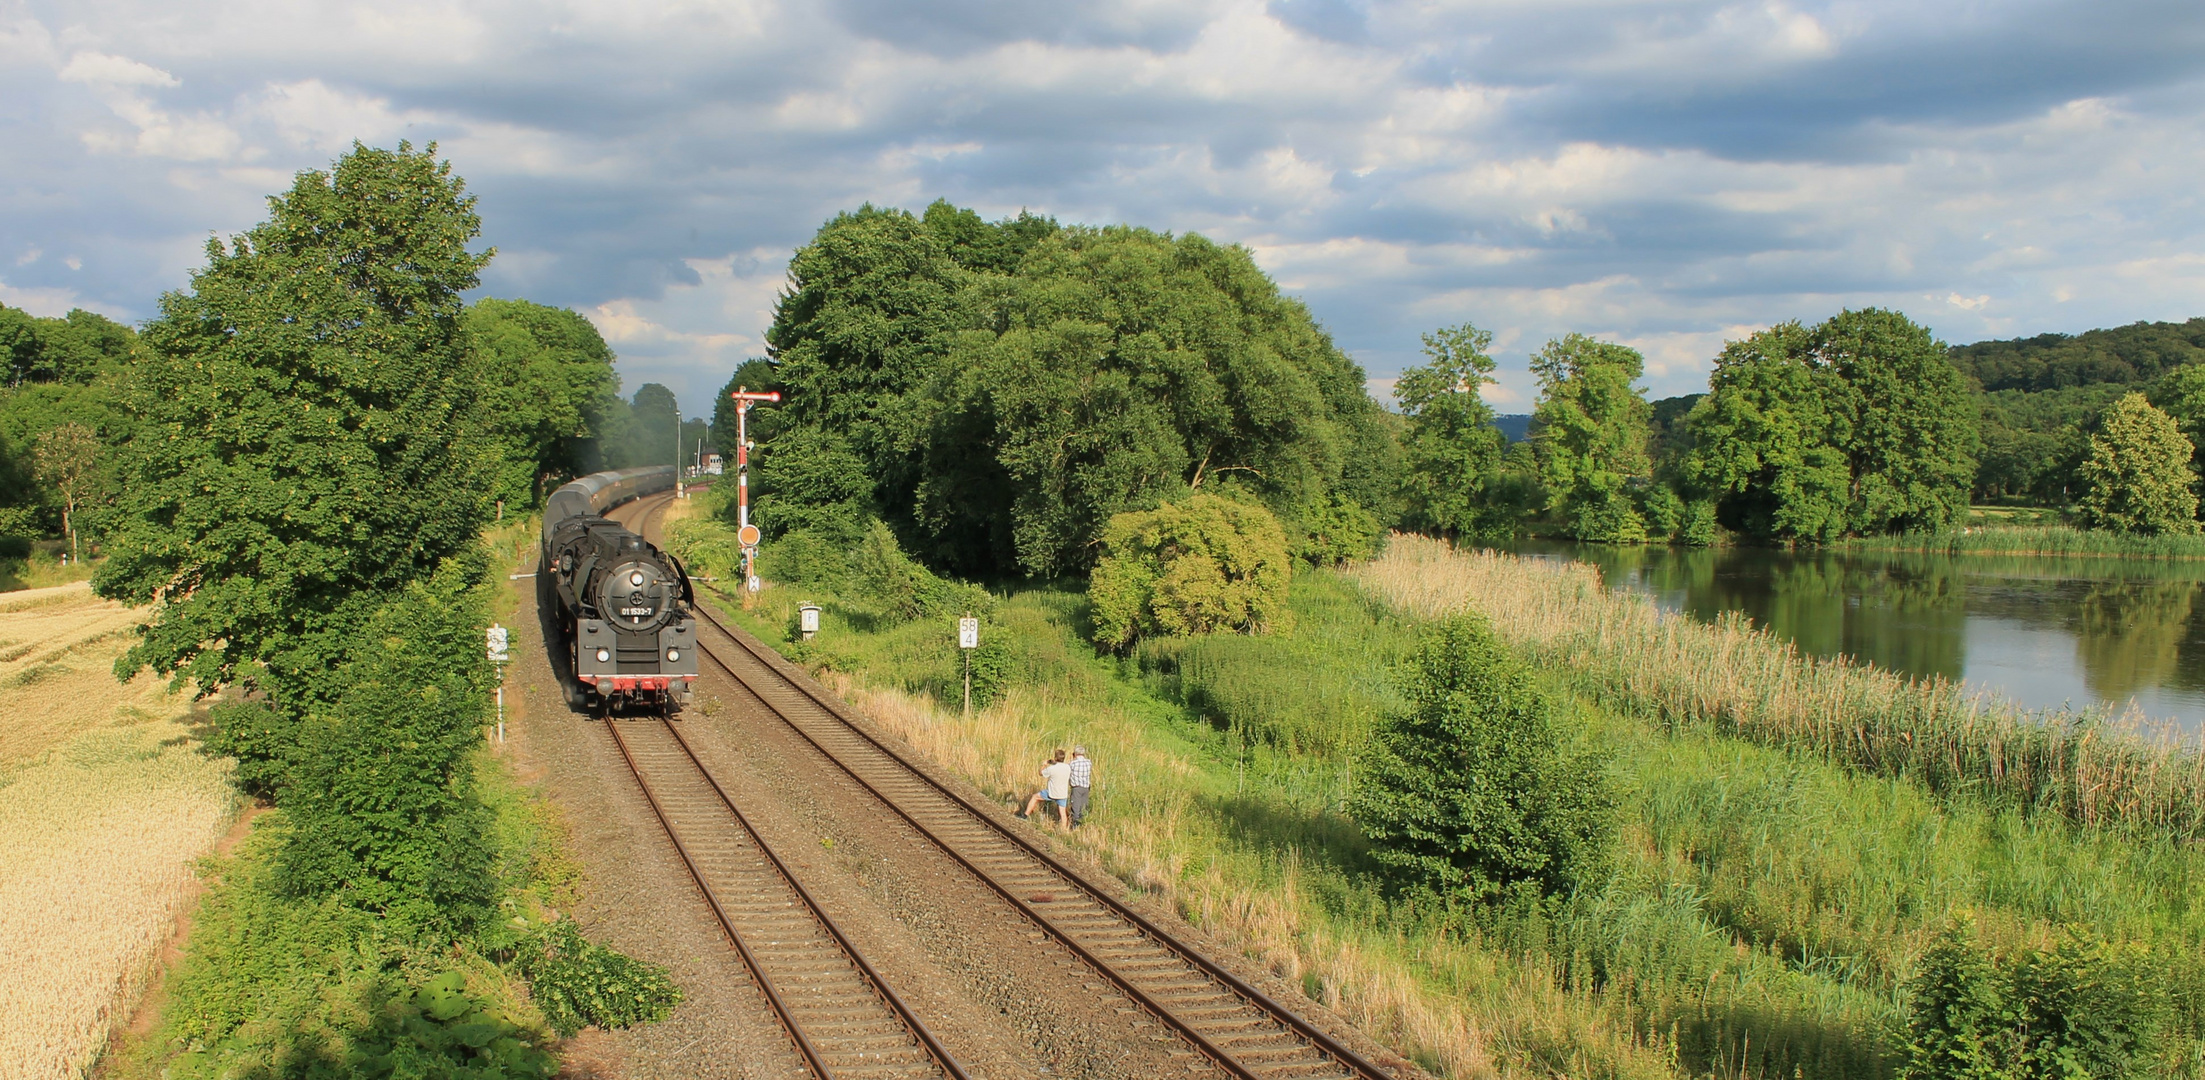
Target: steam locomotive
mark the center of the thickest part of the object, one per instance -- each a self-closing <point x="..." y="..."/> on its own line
<point x="620" y="605"/>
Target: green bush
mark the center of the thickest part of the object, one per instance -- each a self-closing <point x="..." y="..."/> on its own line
<point x="260" y="737"/>
<point x="1469" y="790"/>
<point x="579" y="983"/>
<point x="2083" y="1009"/>
<point x="439" y="1031"/>
<point x="383" y="806"/>
<point x="1194" y="567"/>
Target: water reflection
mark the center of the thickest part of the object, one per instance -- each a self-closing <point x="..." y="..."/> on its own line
<point x="2043" y="631"/>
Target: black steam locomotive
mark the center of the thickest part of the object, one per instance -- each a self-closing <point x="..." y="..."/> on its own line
<point x="621" y="605"/>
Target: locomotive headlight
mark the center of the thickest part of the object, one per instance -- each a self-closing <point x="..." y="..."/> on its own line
<point x="603" y="655"/>
<point x="636" y="578"/>
<point x="673" y="655"/>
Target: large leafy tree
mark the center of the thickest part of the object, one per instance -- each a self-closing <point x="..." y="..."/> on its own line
<point x="1451" y="451"/>
<point x="1007" y="393"/>
<point x="547" y="377"/>
<point x="1591" y="431"/>
<point x="2137" y="472"/>
<point x="304" y="448"/>
<point x="1859" y="424"/>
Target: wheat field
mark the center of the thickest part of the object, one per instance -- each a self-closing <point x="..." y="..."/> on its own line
<point x="105" y="806"/>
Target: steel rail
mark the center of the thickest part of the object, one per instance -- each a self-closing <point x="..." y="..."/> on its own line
<point x="1348" y="1059"/>
<point x="781" y="1012"/>
<point x="918" y="1028"/>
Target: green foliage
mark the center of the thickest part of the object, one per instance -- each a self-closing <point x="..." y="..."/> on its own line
<point x="302" y="446"/>
<point x="1451" y="454"/>
<point x="2135" y="353"/>
<point x="436" y="1031"/>
<point x="1591" y="431"/>
<point x="262" y="738"/>
<point x="579" y="983"/>
<point x="2084" y="1009"/>
<point x="1006" y="389"/>
<point x="810" y="480"/>
<point x="2033" y="441"/>
<point x="1856" y="425"/>
<point x="1198" y="566"/>
<point x="1319" y="688"/>
<point x="77" y="348"/>
<point x="2137" y="472"/>
<point x="1333" y="530"/>
<point x="902" y="588"/>
<point x="547" y="385"/>
<point x="382" y="791"/>
<point x="1470" y="789"/>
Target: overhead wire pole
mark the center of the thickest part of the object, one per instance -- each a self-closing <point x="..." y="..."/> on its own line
<point x="746" y="533"/>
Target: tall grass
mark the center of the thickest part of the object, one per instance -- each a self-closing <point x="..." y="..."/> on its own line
<point x="1736" y="680"/>
<point x="2033" y="540"/>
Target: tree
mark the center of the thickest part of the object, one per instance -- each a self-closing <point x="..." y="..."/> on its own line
<point x="66" y="459"/>
<point x="2136" y="474"/>
<point x="1859" y="424"/>
<point x="1591" y="430"/>
<point x="1008" y="392"/>
<point x="1202" y="565"/>
<point x="1451" y="451"/>
<point x="547" y="376"/>
<point x="1469" y="789"/>
<point x="304" y="448"/>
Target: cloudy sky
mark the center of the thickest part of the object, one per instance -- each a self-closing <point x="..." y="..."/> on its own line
<point x="1667" y="173"/>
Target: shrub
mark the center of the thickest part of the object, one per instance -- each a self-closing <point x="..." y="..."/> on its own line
<point x="1468" y="789"/>
<point x="382" y="802"/>
<point x="903" y="588"/>
<point x="1195" y="567"/>
<point x="260" y="737"/>
<point x="2084" y="1008"/>
<point x="439" y="1031"/>
<point x="1335" y="530"/>
<point x="579" y="983"/>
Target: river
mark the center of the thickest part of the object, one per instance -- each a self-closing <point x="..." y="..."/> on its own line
<point x="2116" y="633"/>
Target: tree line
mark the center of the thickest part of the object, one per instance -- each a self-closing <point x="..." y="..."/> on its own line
<point x="546" y="406"/>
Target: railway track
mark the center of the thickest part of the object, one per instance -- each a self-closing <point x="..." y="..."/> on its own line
<point x="842" y="1019"/>
<point x="1236" y="1027"/>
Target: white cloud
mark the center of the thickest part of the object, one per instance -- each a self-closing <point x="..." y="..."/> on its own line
<point x="1668" y="174"/>
<point x="103" y="69"/>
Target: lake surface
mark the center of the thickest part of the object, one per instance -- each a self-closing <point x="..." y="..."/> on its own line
<point x="2118" y="633"/>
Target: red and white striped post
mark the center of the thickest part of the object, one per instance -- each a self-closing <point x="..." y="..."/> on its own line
<point x="746" y="533"/>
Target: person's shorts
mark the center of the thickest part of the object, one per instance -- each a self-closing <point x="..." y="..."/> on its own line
<point x="1046" y="800"/>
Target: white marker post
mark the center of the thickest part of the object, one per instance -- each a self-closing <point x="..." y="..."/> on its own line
<point x="968" y="639"/>
<point x="496" y="641"/>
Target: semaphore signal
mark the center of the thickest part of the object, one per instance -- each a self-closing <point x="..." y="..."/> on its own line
<point x="746" y="533"/>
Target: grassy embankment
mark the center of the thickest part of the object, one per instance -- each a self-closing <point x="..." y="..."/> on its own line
<point x="2032" y="540"/>
<point x="269" y="983"/>
<point x="1773" y="890"/>
<point x="104" y="806"/>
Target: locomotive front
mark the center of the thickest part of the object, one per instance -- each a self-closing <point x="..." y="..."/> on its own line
<point x="634" y="638"/>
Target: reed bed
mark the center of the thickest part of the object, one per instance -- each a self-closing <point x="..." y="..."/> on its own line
<point x="1739" y="681"/>
<point x="2033" y="540"/>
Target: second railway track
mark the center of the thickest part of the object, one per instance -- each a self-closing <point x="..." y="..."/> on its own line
<point x="842" y="1019"/>
<point x="1239" y="1029"/>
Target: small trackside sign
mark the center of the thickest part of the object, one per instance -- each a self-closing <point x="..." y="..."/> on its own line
<point x="497" y="642"/>
<point x="968" y="633"/>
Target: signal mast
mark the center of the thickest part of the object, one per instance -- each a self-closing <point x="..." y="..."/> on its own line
<point x="746" y="533"/>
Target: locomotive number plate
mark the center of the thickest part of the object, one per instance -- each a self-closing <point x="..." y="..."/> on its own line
<point x="635" y="612"/>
